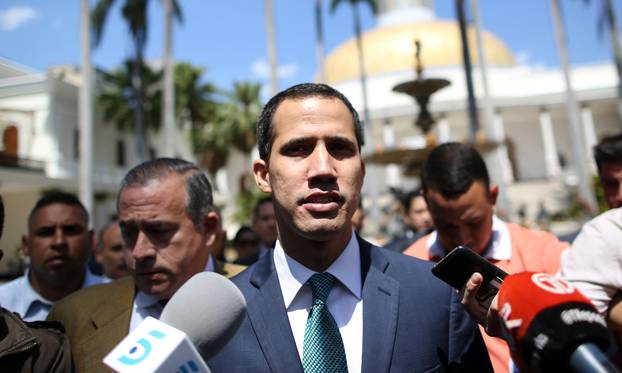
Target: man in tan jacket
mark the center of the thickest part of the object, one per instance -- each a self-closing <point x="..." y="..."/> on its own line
<point x="168" y="223"/>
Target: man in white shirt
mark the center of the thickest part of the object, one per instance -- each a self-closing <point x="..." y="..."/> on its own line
<point x="168" y="223"/>
<point x="326" y="300"/>
<point x="58" y="244"/>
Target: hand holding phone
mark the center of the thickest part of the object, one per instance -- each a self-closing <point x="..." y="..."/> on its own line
<point x="457" y="267"/>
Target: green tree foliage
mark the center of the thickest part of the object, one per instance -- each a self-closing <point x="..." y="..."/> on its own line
<point x="118" y="98"/>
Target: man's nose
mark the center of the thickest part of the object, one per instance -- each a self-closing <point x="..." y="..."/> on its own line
<point x="322" y="164"/>
<point x="143" y="248"/>
<point x="464" y="236"/>
<point x="59" y="237"/>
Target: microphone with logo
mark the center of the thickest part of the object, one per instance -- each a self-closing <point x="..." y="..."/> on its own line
<point x="552" y="326"/>
<point x="195" y="324"/>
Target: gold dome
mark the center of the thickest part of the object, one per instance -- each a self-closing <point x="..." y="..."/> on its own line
<point x="391" y="49"/>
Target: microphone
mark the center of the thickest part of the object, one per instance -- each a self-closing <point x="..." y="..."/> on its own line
<point x="552" y="326"/>
<point x="196" y="323"/>
<point x="209" y="309"/>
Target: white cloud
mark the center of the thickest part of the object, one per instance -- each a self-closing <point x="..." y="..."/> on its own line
<point x="261" y="69"/>
<point x="527" y="58"/>
<point x="13" y="17"/>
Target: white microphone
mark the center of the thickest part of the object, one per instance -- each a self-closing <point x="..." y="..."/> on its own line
<point x="195" y="324"/>
<point x="209" y="309"/>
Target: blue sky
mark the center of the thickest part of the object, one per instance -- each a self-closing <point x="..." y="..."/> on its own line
<point x="228" y="39"/>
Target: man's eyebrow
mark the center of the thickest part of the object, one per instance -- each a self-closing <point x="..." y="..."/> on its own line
<point x="296" y="141"/>
<point x="341" y="138"/>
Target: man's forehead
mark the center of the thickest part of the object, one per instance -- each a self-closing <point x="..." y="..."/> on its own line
<point x="311" y="106"/>
<point x="475" y="197"/>
<point x="58" y="212"/>
<point x="612" y="169"/>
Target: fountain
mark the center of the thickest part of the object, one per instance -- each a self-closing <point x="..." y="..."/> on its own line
<point x="421" y="89"/>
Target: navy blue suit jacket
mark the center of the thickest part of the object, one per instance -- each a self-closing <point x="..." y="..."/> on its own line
<point x="412" y="322"/>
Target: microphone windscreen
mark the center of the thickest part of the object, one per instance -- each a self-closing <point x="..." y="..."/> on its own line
<point x="209" y="309"/>
<point x="547" y="318"/>
<point x="523" y="295"/>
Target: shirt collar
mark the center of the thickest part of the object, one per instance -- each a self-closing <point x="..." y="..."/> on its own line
<point x="293" y="275"/>
<point x="500" y="247"/>
<point x="30" y="295"/>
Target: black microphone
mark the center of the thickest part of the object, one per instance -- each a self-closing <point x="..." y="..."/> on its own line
<point x="552" y="326"/>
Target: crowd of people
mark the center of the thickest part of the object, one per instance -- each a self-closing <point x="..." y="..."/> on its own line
<point x="320" y="298"/>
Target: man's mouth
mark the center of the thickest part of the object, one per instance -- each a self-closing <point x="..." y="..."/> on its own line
<point x="322" y="201"/>
<point x="57" y="260"/>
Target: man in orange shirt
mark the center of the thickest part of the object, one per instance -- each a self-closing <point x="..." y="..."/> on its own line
<point x="461" y="201"/>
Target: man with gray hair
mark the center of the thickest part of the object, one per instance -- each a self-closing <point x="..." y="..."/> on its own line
<point x="168" y="223"/>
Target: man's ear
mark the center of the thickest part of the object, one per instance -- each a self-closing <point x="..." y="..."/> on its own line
<point x="210" y="225"/>
<point x="262" y="176"/>
<point x="24" y="248"/>
<point x="493" y="193"/>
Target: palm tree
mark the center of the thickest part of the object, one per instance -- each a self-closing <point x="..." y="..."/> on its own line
<point x="134" y="12"/>
<point x="195" y="105"/>
<point x="373" y="5"/>
<point x="118" y="98"/>
<point x="241" y="113"/>
<point x="607" y="19"/>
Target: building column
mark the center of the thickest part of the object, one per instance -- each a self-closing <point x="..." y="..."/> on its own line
<point x="550" y="148"/>
<point x="393" y="172"/>
<point x="590" y="135"/>
<point x="501" y="152"/>
<point x="442" y="128"/>
<point x="388" y="134"/>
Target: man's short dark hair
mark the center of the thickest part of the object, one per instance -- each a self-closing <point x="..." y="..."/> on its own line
<point x="262" y="201"/>
<point x="609" y="149"/>
<point x="199" y="200"/>
<point x="244" y="229"/>
<point x="451" y="168"/>
<point x="265" y="136"/>
<point x="57" y="197"/>
<point x="408" y="197"/>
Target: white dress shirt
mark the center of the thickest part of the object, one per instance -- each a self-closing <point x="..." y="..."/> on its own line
<point x="148" y="305"/>
<point x="344" y="301"/>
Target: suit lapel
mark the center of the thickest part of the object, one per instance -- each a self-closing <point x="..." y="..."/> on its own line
<point x="269" y="320"/>
<point x="380" y="308"/>
<point x="111" y="323"/>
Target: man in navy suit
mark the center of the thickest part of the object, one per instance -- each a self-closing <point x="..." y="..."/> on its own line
<point x="326" y="300"/>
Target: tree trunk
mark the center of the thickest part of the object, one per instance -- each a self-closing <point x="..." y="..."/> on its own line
<point x="466" y="57"/>
<point x="319" y="44"/>
<point x="271" y="43"/>
<point x="363" y="73"/>
<point x="617" y="51"/>
<point x="168" y="109"/>
<point x="578" y="149"/>
<point x="139" y="115"/>
<point x="500" y="165"/>
<point x="86" y="111"/>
